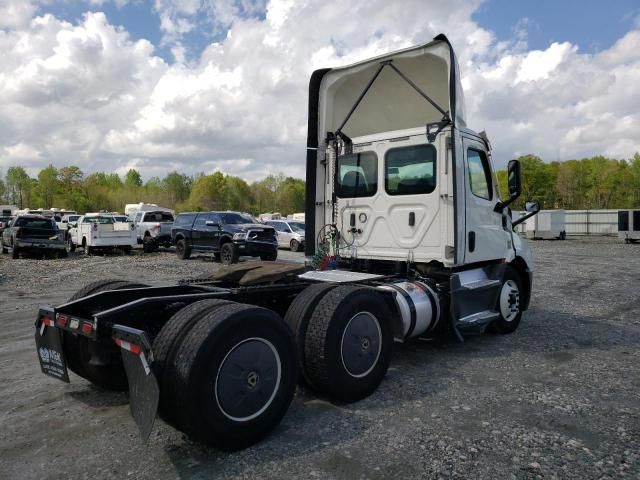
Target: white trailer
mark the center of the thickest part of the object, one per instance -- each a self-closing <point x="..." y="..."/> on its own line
<point x="97" y="231"/>
<point x="629" y="225"/>
<point x="546" y="225"/>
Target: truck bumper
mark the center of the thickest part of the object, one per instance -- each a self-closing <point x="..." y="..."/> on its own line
<point x="28" y="245"/>
<point x="256" y="249"/>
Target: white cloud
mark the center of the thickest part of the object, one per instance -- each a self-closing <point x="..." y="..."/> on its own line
<point x="89" y="95"/>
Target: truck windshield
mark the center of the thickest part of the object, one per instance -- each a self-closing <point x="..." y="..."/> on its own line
<point x="357" y="175"/>
<point x="236" y="218"/>
<point x="297" y="227"/>
<point x="35" y="223"/>
<point x="158" y="217"/>
<point x="100" y="220"/>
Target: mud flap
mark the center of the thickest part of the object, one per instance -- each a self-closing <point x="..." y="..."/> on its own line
<point x="49" y="346"/>
<point x="144" y="393"/>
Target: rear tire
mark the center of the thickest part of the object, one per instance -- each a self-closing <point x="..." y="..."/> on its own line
<point x="4" y="249"/>
<point x="299" y="314"/>
<point x="149" y="244"/>
<point x="236" y="372"/>
<point x="508" y="305"/>
<point x="229" y="253"/>
<point x="183" y="251"/>
<point x="76" y="347"/>
<point x="165" y="346"/>
<point x="87" y="249"/>
<point x="348" y="343"/>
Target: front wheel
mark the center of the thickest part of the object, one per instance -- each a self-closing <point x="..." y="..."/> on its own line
<point x="295" y="245"/>
<point x="4" y="249"/>
<point x="70" y="246"/>
<point x="509" y="306"/>
<point x="229" y="254"/>
<point x="15" y="253"/>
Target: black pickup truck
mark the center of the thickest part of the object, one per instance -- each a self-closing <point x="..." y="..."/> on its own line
<point x="33" y="234"/>
<point x="228" y="235"/>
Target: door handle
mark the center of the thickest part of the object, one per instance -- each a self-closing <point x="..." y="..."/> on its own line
<point x="412" y="219"/>
<point x="472" y="241"/>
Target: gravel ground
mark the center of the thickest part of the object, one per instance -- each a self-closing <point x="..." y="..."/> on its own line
<point x="560" y="398"/>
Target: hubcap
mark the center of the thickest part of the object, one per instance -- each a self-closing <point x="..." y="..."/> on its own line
<point x="248" y="379"/>
<point x="361" y="344"/>
<point x="509" y="300"/>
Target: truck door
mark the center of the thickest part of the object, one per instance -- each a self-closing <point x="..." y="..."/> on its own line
<point x="199" y="230"/>
<point x="486" y="238"/>
<point x="211" y="234"/>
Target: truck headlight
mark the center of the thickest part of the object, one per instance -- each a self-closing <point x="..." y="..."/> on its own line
<point x="239" y="236"/>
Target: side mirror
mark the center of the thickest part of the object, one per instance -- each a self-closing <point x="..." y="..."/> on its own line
<point x="532" y="206"/>
<point x="515" y="185"/>
<point x="513" y="173"/>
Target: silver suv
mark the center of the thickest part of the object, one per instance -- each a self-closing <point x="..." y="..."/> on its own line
<point x="290" y="233"/>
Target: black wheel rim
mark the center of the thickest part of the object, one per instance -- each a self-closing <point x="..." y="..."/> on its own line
<point x="226" y="254"/>
<point x="248" y="379"/>
<point x="361" y="344"/>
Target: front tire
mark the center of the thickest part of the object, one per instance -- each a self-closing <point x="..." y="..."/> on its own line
<point x="295" y="245"/>
<point x="70" y="246"/>
<point x="509" y="305"/>
<point x="237" y="372"/>
<point x="229" y="254"/>
<point x="15" y="253"/>
<point x="348" y="343"/>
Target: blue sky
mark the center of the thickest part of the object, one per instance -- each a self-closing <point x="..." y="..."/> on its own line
<point x="592" y="25"/>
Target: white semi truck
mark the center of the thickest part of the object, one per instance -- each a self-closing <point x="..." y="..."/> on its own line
<point x="408" y="237"/>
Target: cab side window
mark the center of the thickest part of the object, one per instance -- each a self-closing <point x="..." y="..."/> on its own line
<point x="479" y="174"/>
<point x="201" y="220"/>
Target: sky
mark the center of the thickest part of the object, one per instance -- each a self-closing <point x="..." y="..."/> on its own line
<point x="205" y="85"/>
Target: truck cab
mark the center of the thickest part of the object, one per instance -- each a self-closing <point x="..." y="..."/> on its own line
<point x="399" y="182"/>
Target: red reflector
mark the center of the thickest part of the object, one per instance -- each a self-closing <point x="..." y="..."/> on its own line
<point x="132" y="347"/>
<point x="87" y="327"/>
<point x="62" y="320"/>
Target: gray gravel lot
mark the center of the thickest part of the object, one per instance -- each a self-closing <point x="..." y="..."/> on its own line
<point x="559" y="398"/>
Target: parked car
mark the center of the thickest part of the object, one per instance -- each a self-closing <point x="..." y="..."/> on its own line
<point x="67" y="222"/>
<point x="228" y="235"/>
<point x="290" y="233"/>
<point x="153" y="228"/>
<point x="4" y="220"/>
<point x="33" y="234"/>
<point x="95" y="231"/>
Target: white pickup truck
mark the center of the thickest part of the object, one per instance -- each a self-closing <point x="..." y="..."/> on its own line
<point x="101" y="231"/>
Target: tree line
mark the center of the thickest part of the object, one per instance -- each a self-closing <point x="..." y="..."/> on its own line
<point x="589" y="183"/>
<point x="69" y="188"/>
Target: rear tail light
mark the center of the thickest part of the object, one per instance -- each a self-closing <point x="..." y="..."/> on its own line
<point x="62" y="320"/>
<point x="87" y="327"/>
<point x="157" y="226"/>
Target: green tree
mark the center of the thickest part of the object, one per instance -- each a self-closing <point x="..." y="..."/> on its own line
<point x="133" y="178"/>
<point x="47" y="185"/>
<point x="19" y="186"/>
